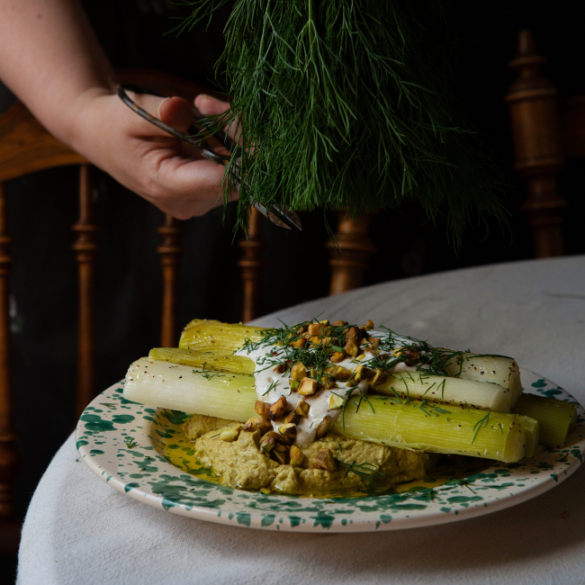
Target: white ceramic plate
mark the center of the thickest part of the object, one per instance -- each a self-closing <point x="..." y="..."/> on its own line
<point x="131" y="446"/>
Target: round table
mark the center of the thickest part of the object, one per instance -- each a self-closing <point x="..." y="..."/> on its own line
<point x="79" y="530"/>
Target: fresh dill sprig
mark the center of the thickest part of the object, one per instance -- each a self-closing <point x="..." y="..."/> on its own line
<point x="346" y="105"/>
<point x="366" y="471"/>
<point x="130" y="442"/>
<point x="271" y="387"/>
<point x="482" y="423"/>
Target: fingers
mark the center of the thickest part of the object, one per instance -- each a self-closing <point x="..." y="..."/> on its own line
<point x="174" y="111"/>
<point x="209" y="106"/>
<point x="191" y="188"/>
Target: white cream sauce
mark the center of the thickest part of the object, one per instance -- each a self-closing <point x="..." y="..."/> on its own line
<point x="271" y="385"/>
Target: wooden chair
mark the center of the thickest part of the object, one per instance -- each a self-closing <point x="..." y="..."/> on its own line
<point x="26" y="147"/>
<point x="546" y="130"/>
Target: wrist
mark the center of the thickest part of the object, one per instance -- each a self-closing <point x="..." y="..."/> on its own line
<point x="71" y="123"/>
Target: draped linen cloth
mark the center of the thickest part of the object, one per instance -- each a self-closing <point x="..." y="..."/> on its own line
<point x="79" y="530"/>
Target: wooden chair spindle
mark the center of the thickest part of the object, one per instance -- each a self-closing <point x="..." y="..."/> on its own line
<point x="532" y="101"/>
<point x="9" y="459"/>
<point x="85" y="248"/>
<point x="349" y="260"/>
<point x="251" y="265"/>
<point x="170" y="251"/>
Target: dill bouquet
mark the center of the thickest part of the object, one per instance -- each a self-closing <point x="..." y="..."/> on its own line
<point x="345" y="104"/>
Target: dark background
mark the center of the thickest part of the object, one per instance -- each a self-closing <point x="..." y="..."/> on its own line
<point x="42" y="207"/>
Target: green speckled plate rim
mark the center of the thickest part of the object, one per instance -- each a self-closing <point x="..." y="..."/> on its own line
<point x="141" y="473"/>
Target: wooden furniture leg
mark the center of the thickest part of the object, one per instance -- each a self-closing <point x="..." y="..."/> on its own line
<point x="535" y="129"/>
<point x="170" y="252"/>
<point x="85" y="248"/>
<point x="251" y="265"/>
<point x="9" y="459"/>
<point x="350" y="260"/>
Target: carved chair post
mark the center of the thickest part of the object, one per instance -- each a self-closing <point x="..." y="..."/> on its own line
<point x="9" y="458"/>
<point x="532" y="101"/>
<point x="350" y="260"/>
<point x="85" y="248"/>
<point x="251" y="265"/>
<point x="170" y="252"/>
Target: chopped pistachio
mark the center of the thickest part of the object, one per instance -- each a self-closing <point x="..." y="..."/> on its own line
<point x="324" y="426"/>
<point x="267" y="443"/>
<point x="351" y="333"/>
<point x="280" y="439"/>
<point x="265" y="490"/>
<point x="298" y="372"/>
<point x="324" y="460"/>
<point x="379" y="378"/>
<point x="296" y="455"/>
<point x="317" y="329"/>
<point x="336" y="402"/>
<point x="257" y="422"/>
<point x="278" y="409"/>
<point x="262" y="408"/>
<point x="351" y="348"/>
<point x="288" y="430"/>
<point x="303" y="408"/>
<point x="292" y="417"/>
<point x="308" y="387"/>
<point x="295" y="463"/>
<point x="279" y="456"/>
<point x="341" y="373"/>
<point x="230" y="435"/>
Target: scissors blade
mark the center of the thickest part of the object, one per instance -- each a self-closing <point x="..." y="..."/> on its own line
<point x="281" y="217"/>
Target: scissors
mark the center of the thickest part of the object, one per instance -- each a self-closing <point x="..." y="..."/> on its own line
<point x="279" y="215"/>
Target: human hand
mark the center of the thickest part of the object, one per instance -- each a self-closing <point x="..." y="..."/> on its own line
<point x="167" y="172"/>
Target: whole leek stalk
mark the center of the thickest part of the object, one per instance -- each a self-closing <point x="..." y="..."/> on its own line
<point x="216" y="336"/>
<point x="555" y="417"/>
<point x="493" y="369"/>
<point x="414" y="425"/>
<point x="446" y="390"/>
<point x="220" y="361"/>
<point x="409" y="385"/>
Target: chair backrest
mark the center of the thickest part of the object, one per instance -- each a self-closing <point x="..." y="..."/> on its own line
<point x="26" y="147"/>
<point x="546" y="130"/>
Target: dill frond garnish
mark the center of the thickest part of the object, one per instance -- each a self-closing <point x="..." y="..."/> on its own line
<point x="366" y="471"/>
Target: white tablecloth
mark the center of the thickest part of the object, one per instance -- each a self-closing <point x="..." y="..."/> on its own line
<point x="79" y="530"/>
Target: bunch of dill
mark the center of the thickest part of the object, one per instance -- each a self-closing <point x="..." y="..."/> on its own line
<point x="345" y="104"/>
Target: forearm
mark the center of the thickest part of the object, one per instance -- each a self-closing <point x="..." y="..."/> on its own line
<point x="51" y="59"/>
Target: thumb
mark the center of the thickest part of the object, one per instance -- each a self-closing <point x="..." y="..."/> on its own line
<point x="175" y="112"/>
<point x="210" y="106"/>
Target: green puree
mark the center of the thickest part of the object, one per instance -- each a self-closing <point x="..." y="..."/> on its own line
<point x="174" y="445"/>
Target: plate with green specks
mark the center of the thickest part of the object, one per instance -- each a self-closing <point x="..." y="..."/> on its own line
<point x="141" y="452"/>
